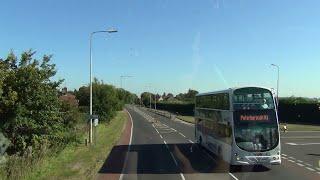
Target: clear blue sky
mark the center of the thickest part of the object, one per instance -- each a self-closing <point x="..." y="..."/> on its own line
<point x="173" y="45"/>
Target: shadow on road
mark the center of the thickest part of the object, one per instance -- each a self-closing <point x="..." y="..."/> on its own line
<point x="313" y="154"/>
<point x="156" y="159"/>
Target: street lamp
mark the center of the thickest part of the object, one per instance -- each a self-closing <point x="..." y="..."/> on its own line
<point x="111" y="30"/>
<point x="149" y="95"/>
<point x="121" y="79"/>
<point x="277" y="83"/>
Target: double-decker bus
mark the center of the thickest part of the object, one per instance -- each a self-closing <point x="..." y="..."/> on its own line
<point x="239" y="125"/>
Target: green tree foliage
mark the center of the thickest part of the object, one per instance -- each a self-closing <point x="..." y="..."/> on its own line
<point x="145" y="98"/>
<point x="106" y="99"/>
<point x="187" y="97"/>
<point x="125" y="97"/>
<point x="29" y="106"/>
<point x="297" y="100"/>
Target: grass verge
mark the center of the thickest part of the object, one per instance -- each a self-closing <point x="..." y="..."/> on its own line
<point x="189" y="119"/>
<point x="80" y="161"/>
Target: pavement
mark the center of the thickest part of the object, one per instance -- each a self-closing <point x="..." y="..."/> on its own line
<point x="165" y="149"/>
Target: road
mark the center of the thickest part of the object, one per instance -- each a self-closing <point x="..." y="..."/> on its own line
<point x="164" y="149"/>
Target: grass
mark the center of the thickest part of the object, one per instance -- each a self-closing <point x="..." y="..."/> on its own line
<point x="301" y="127"/>
<point x="82" y="162"/>
<point x="189" y="119"/>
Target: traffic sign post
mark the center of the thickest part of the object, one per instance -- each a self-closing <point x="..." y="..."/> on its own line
<point x="90" y="120"/>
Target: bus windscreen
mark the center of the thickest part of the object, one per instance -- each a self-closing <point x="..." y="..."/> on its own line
<point x="252" y="98"/>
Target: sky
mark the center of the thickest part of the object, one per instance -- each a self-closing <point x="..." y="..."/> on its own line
<point x="172" y="45"/>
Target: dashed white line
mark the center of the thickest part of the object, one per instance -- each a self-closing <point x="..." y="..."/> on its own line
<point x="190" y="141"/>
<point x="308" y="164"/>
<point x="164" y="124"/>
<point x="318" y="169"/>
<point x="300" y="161"/>
<point x="182" y="177"/>
<point x="161" y="136"/>
<point x="234" y="177"/>
<point x="300" y="164"/>
<point x="173" y="129"/>
<point x="157" y="130"/>
<point x="310" y="169"/>
<point x="284" y="155"/>
<point x="174" y="159"/>
<point x="164" y="142"/>
<point x="182" y="134"/>
<point x="284" y="158"/>
<point x="291" y="160"/>
<point x="291" y="157"/>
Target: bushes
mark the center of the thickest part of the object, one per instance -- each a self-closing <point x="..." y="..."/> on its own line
<point x="302" y="113"/>
<point x="29" y="104"/>
<point x="106" y="99"/>
<point x="182" y="109"/>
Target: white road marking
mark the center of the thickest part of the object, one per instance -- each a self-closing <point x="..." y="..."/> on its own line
<point x="300" y="164"/>
<point x="308" y="164"/>
<point x="303" y="144"/>
<point x="300" y="161"/>
<point x="164" y="124"/>
<point x="130" y="141"/>
<point x="318" y="169"/>
<point x="157" y="130"/>
<point x="291" y="157"/>
<point x="164" y="142"/>
<point x="182" y="134"/>
<point x="174" y="159"/>
<point x="161" y="136"/>
<point x="167" y="132"/>
<point x="284" y="155"/>
<point x="284" y="158"/>
<point x="190" y="141"/>
<point x="234" y="177"/>
<point x="182" y="177"/>
<point x="291" y="160"/>
<point x="173" y="129"/>
<point x="301" y="137"/>
<point x="310" y="169"/>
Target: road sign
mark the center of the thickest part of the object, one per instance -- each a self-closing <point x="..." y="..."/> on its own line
<point x="96" y="122"/>
<point x="93" y="116"/>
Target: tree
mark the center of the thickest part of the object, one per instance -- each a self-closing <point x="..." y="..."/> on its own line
<point x="145" y="98"/>
<point x="29" y="106"/>
<point x="106" y="99"/>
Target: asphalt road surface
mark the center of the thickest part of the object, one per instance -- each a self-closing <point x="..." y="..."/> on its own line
<point x="165" y="149"/>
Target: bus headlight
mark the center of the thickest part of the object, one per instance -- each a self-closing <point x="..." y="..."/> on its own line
<point x="238" y="158"/>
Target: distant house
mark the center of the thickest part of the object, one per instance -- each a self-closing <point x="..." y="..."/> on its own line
<point x="69" y="98"/>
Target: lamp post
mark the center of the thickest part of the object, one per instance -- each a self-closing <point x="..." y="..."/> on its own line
<point x="121" y="79"/>
<point x="148" y="86"/>
<point x="111" y="30"/>
<point x="278" y="69"/>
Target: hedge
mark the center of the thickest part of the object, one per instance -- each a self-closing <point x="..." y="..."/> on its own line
<point x="302" y="113"/>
